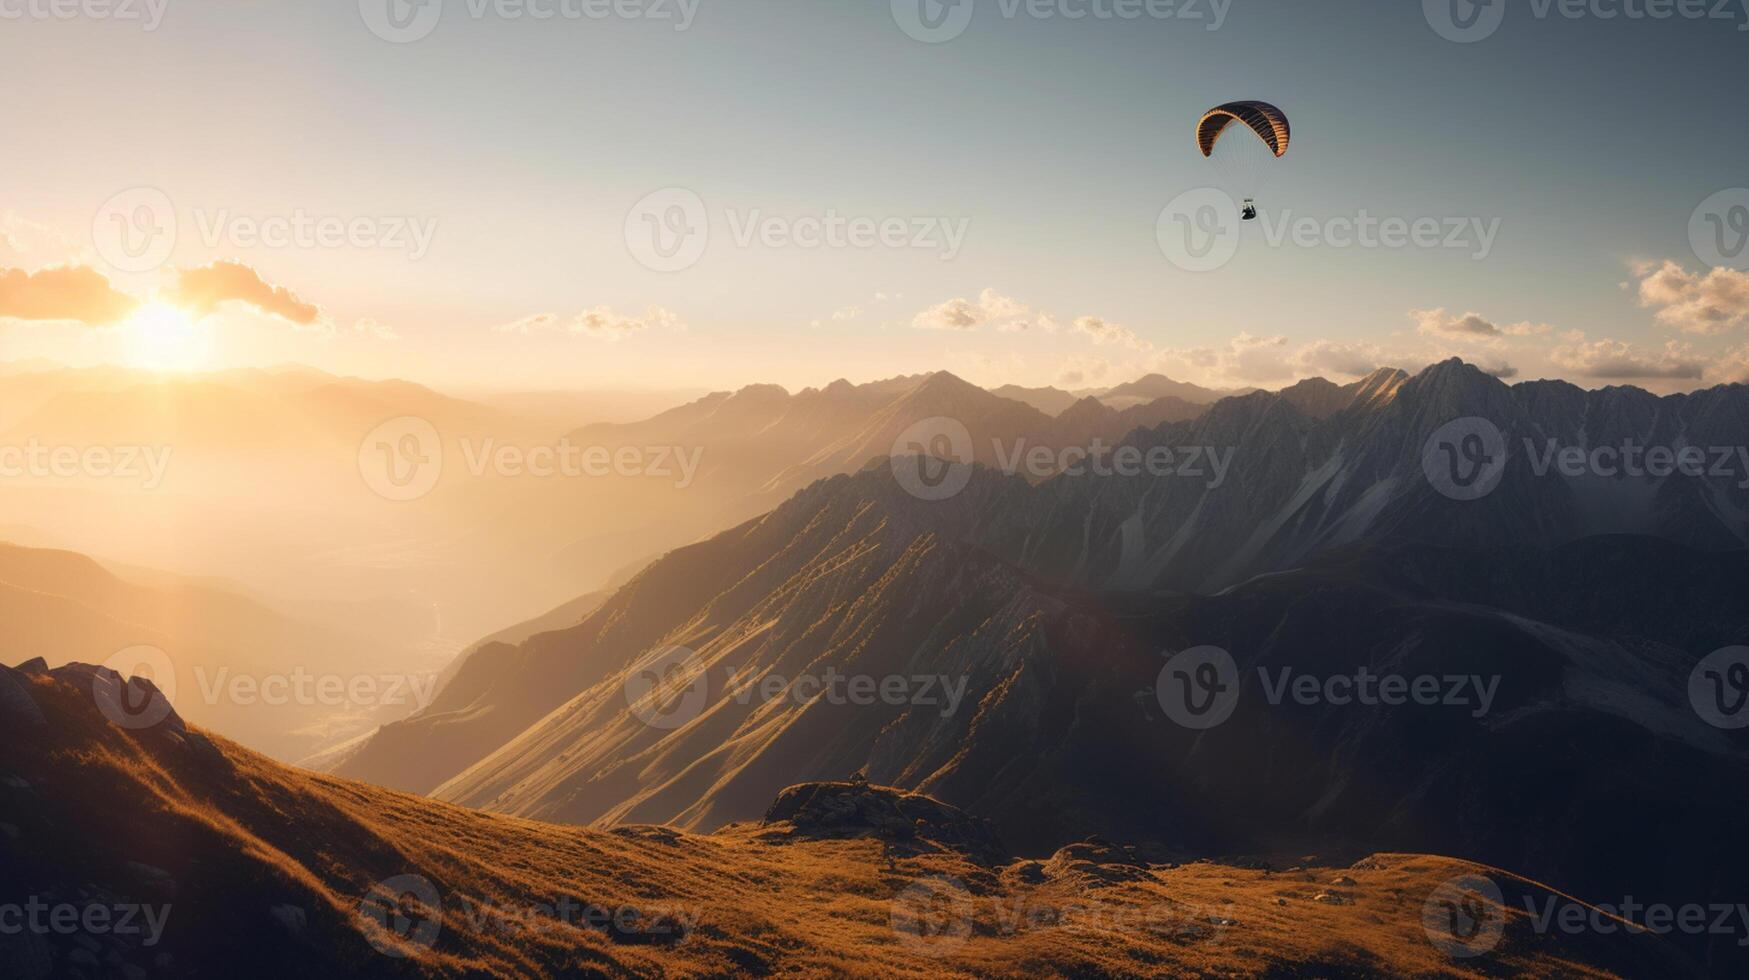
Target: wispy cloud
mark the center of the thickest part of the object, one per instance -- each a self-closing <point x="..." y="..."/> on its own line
<point x="1103" y="331"/>
<point x="601" y="323"/>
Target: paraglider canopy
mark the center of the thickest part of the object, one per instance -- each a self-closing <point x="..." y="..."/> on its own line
<point x="1269" y="123"/>
<point x="1243" y="161"/>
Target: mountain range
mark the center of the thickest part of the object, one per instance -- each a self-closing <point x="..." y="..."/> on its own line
<point x="1030" y="622"/>
<point x="984" y="604"/>
<point x="479" y="550"/>
<point x="296" y="440"/>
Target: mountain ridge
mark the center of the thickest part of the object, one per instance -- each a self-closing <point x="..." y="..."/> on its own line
<point x="239" y="859"/>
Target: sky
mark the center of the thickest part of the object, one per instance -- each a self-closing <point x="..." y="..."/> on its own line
<point x="491" y="198"/>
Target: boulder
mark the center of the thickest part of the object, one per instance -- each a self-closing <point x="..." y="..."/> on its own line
<point x="907" y="822"/>
<point x="290" y="918"/>
<point x="18" y="710"/>
<point x="1096" y="862"/>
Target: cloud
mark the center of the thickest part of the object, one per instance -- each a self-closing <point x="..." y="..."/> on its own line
<point x="601" y="323"/>
<point x="999" y="307"/>
<point x="1245" y="358"/>
<point x="1732" y="367"/>
<point x="73" y="292"/>
<point x="1438" y="323"/>
<point x="955" y="314"/>
<point x="203" y="290"/>
<point x="1008" y="315"/>
<point x="366" y="327"/>
<point x="1103" y="332"/>
<point x="1612" y="360"/>
<point x="1472" y="327"/>
<point x="537" y="323"/>
<point x="996" y="367"/>
<point x="22" y="239"/>
<point x="1322" y="357"/>
<point x="991" y="307"/>
<point x="1693" y="302"/>
<point x="841" y="315"/>
<point x="1527" y="329"/>
<point x="1248" y="360"/>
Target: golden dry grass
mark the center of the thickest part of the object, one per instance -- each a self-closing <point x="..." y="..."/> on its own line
<point x="240" y="833"/>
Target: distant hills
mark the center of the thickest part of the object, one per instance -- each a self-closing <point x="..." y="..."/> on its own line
<point x="1148" y="388"/>
<point x="289" y="440"/>
<point x="67" y="608"/>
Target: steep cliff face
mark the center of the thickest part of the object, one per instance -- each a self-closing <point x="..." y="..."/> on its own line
<point x="859" y="574"/>
<point x="1294" y="485"/>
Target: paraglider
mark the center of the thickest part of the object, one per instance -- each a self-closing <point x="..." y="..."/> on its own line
<point x="1257" y="133"/>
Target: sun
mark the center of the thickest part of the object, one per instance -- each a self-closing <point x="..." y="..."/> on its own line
<point x="160" y="337"/>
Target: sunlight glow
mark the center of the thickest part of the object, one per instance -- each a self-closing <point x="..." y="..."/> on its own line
<point x="160" y="337"/>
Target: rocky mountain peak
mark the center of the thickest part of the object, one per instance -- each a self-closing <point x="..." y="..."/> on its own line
<point x="1378" y="388"/>
<point x="1317" y="397"/>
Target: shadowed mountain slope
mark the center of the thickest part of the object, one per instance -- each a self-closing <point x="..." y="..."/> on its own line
<point x="1025" y="629"/>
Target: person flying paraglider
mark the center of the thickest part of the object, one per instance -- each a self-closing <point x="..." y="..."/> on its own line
<point x="1243" y="160"/>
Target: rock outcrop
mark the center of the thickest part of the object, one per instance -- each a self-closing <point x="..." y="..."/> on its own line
<point x="908" y="822"/>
